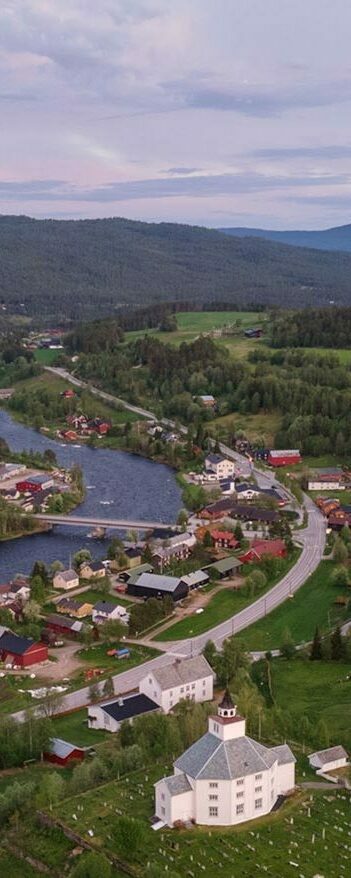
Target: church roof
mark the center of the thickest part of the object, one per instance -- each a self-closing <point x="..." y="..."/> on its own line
<point x="213" y="759"/>
<point x="177" y="783"/>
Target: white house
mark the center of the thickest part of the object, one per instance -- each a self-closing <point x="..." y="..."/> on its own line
<point x="19" y="590"/>
<point x="66" y="579"/>
<point x="105" y="611"/>
<point x="225" y="778"/>
<point x="328" y="760"/>
<point x="110" y="715"/>
<point x="191" y="678"/>
<point x="221" y="466"/>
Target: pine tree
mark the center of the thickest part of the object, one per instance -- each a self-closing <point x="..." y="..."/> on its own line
<point x="316" y="648"/>
<point x="338" y="651"/>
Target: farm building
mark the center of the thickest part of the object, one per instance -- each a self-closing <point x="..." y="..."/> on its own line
<point x="225" y="777"/>
<point x="329" y="479"/>
<point x="110" y="715"/>
<point x="191" y="678"/>
<point x="260" y="548"/>
<point x="62" y="753"/>
<point x="151" y="585"/>
<point x="22" y="651"/>
<point x="63" y="626"/>
<point x="225" y="568"/>
<point x="254" y="513"/>
<point x="288" y="457"/>
<point x="133" y="575"/>
<point x="328" y="760"/>
<point x="219" y="509"/>
<point x="196" y="579"/>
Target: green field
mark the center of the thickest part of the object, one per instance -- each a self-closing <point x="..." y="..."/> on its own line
<point x="222" y="606"/>
<point x="193" y="323"/>
<point x="74" y="728"/>
<point x="45" y="356"/>
<point x="309" y="607"/>
<point x="320" y="691"/>
<point x="272" y="842"/>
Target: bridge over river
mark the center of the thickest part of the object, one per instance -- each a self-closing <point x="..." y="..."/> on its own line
<point x="108" y="523"/>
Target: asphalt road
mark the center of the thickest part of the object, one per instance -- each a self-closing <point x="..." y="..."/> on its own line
<point x="312" y="539"/>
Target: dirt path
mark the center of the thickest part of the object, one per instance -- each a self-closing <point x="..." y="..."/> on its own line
<point x="66" y="663"/>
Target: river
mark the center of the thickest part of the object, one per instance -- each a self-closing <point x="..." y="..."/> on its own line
<point x="118" y="485"/>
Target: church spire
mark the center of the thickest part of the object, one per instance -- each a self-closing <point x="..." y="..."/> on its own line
<point x="227" y="708"/>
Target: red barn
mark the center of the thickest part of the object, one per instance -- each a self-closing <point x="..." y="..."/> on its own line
<point x="61" y="752"/>
<point x="259" y="548"/>
<point x="22" y="651"/>
<point x="64" y="626"/>
<point x="284" y="458"/>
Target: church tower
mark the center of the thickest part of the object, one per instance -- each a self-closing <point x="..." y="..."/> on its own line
<point x="227" y="724"/>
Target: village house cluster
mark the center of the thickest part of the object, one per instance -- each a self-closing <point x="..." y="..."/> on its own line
<point x="30" y="488"/>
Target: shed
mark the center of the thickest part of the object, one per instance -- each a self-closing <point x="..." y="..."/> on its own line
<point x="196" y="579"/>
<point x="62" y="752"/>
<point x="328" y="760"/>
<point x="64" y="626"/>
<point x="152" y="585"/>
<point x="226" y="567"/>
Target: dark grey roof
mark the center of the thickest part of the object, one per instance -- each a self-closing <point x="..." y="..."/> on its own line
<point x="64" y="622"/>
<point x="213" y="759"/>
<point x="13" y="643"/>
<point x="177" y="783"/>
<point x="130" y="707"/>
<point x="227" y="702"/>
<point x="159" y="583"/>
<point x="104" y="607"/>
<point x="215" y="458"/>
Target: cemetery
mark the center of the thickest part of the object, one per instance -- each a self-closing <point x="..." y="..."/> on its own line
<point x="309" y="835"/>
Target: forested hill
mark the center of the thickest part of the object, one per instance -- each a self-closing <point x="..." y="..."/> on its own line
<point x="338" y="238"/>
<point x="90" y="268"/>
<point x="315" y="327"/>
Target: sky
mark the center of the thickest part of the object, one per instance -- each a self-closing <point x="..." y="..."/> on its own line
<point x="211" y="112"/>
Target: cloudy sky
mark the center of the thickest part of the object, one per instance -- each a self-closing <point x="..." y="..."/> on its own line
<point x="218" y="112"/>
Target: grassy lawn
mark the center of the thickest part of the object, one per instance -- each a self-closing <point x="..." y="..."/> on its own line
<point x="45" y="356"/>
<point x="74" y="728"/>
<point x="320" y="691"/>
<point x="272" y="842"/>
<point x="224" y="604"/>
<point x="309" y="607"/>
<point x="96" y="657"/>
<point x="93" y="595"/>
<point x="16" y="868"/>
<point x="266" y="425"/>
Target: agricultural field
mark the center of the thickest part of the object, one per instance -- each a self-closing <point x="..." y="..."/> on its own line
<point x="308" y="834"/>
<point x="310" y="681"/>
<point x="313" y="604"/>
<point x="193" y="323"/>
<point x="45" y="356"/>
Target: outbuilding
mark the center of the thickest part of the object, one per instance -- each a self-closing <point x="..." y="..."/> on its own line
<point x="152" y="585"/>
<point x="328" y="760"/>
<point x="225" y="568"/>
<point x="35" y="483"/>
<point x="63" y="626"/>
<point x="288" y="457"/>
<point x="62" y="752"/>
<point x="22" y="651"/>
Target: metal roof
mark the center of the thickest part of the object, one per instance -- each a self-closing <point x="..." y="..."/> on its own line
<point x="134" y="574"/>
<point x="225" y="564"/>
<point x="198" y="576"/>
<point x="61" y="748"/>
<point x="13" y="643"/>
<point x="158" y="582"/>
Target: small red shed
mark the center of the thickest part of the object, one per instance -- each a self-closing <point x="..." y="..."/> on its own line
<point x="62" y="752"/>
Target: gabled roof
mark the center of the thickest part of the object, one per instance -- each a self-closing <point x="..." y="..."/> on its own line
<point x="224" y="565"/>
<point x="67" y="575"/>
<point x="196" y="578"/>
<point x="133" y="575"/>
<point x="177" y="784"/>
<point x="161" y="583"/>
<point x="186" y="671"/>
<point x="330" y="755"/>
<point x="104" y="607"/>
<point x="64" y="622"/>
<point x="126" y="708"/>
<point x="61" y="748"/>
<point x="215" y="458"/>
<point x="13" y="643"/>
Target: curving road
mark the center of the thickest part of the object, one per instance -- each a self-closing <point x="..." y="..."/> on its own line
<point x="311" y="538"/>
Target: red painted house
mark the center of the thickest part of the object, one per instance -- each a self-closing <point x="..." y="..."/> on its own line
<point x="288" y="457"/>
<point x="224" y="539"/>
<point x="260" y="548"/>
<point x="21" y="651"/>
<point x="62" y="752"/>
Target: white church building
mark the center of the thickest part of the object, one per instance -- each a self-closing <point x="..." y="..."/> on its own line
<point x="226" y="777"/>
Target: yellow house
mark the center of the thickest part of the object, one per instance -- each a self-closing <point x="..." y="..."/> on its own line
<point x="77" y="609"/>
<point x="92" y="570"/>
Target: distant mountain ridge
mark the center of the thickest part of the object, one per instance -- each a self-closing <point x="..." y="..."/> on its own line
<point x="82" y="269"/>
<point x="337" y="238"/>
